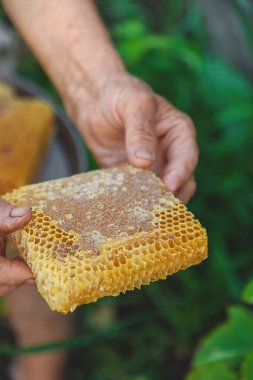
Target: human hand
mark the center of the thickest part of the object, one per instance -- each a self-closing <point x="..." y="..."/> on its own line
<point x="119" y="116"/>
<point x="125" y="120"/>
<point x="13" y="273"/>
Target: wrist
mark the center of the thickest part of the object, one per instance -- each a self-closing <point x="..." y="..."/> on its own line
<point x="70" y="41"/>
<point x="85" y="79"/>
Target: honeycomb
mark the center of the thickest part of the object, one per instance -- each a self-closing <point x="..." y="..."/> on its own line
<point x="104" y="232"/>
<point x="6" y="96"/>
<point x="25" y="129"/>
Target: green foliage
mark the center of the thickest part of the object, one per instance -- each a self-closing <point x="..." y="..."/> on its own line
<point x="219" y="98"/>
<point x="230" y="341"/>
<point x="229" y="346"/>
<point x="219" y="371"/>
<point x="108" y="332"/>
<point x="247" y="367"/>
<point x="247" y="295"/>
<point x="1" y="12"/>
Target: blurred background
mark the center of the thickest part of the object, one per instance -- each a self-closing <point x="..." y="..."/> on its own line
<point x="199" y="55"/>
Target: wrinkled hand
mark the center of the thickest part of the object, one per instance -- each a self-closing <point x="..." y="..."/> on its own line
<point x="13" y="273"/>
<point x="125" y="120"/>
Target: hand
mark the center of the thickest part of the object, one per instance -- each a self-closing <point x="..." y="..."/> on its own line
<point x="119" y="116"/>
<point x="126" y="120"/>
<point x="13" y="273"/>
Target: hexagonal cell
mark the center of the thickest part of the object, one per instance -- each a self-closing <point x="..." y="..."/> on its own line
<point x="103" y="255"/>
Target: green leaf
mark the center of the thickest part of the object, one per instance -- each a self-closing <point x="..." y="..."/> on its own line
<point x="212" y="371"/>
<point x="247" y="294"/>
<point x="247" y="367"/>
<point x="235" y="114"/>
<point x="130" y="29"/>
<point x="230" y="341"/>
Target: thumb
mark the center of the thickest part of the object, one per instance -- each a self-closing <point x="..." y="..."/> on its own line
<point x="12" y="218"/>
<point x="140" y="138"/>
<point x="14" y="272"/>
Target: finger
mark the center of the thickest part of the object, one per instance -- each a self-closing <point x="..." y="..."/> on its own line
<point x="160" y="159"/>
<point x="14" y="272"/>
<point x="5" y="289"/>
<point x="187" y="191"/>
<point x="2" y="246"/>
<point x="12" y="218"/>
<point x="141" y="140"/>
<point x="182" y="156"/>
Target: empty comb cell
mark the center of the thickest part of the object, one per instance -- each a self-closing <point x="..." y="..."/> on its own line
<point x="26" y="126"/>
<point x="104" y="232"/>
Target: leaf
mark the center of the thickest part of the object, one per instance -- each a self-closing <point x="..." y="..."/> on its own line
<point x="230" y="341"/>
<point x="130" y="29"/>
<point x="235" y="114"/>
<point x="247" y="367"/>
<point x="247" y="294"/>
<point x="219" y="371"/>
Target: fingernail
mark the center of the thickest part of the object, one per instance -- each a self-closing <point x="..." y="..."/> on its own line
<point x="144" y="154"/>
<point x="18" y="212"/>
<point x="171" y="181"/>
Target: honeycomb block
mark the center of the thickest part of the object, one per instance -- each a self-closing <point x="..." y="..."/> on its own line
<point x="6" y="97"/>
<point x="26" y="126"/>
<point x="104" y="232"/>
<point x="6" y="91"/>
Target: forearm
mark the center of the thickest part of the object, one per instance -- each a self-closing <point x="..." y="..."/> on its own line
<point x="69" y="40"/>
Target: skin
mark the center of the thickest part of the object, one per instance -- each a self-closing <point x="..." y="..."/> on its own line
<point x="118" y="115"/>
<point x="13" y="273"/>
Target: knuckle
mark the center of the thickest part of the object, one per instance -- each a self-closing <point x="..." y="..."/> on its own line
<point x="147" y="101"/>
<point x="74" y="113"/>
<point x="194" y="156"/>
<point x="190" y="152"/>
<point x="142" y="134"/>
<point x="187" y="118"/>
<point x="186" y="122"/>
<point x="143" y="124"/>
<point x="138" y="84"/>
<point x="190" y="166"/>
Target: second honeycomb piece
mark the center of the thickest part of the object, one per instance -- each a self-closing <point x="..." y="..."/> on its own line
<point x="26" y="126"/>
